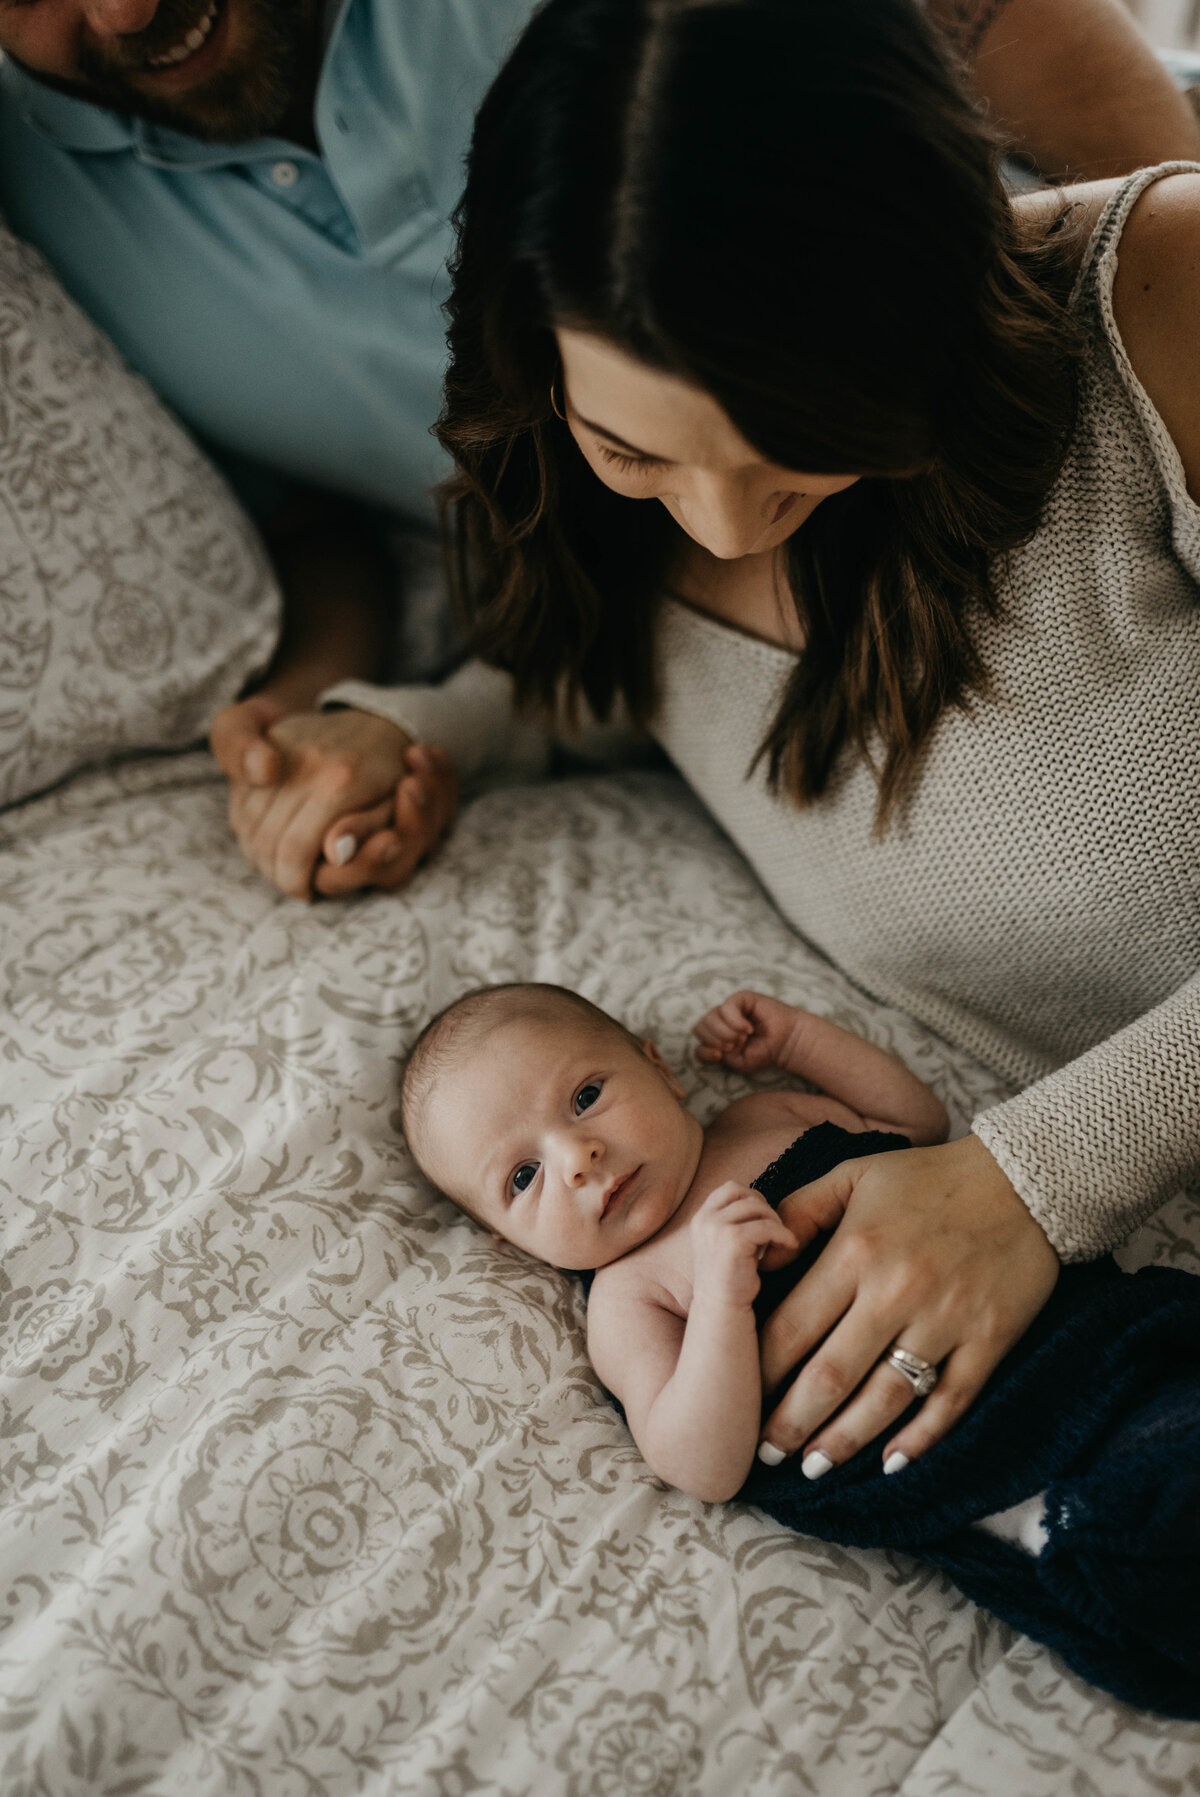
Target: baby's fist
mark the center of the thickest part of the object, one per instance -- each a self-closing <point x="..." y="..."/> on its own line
<point x="749" y="1032"/>
<point x="731" y="1232"/>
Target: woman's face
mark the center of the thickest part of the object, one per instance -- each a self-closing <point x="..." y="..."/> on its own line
<point x="650" y="436"/>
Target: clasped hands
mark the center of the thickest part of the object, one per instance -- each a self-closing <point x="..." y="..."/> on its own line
<point x="330" y="802"/>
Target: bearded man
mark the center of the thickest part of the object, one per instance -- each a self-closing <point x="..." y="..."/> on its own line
<point x="253" y="198"/>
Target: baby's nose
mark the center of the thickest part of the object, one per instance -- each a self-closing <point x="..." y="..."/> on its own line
<point x="585" y="1158"/>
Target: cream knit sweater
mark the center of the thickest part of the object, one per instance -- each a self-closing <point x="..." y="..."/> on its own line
<point x="1039" y="904"/>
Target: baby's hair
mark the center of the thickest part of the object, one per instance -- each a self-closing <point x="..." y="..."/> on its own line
<point x="461" y="1026"/>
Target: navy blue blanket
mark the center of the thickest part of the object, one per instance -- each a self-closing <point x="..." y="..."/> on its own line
<point x="1099" y="1406"/>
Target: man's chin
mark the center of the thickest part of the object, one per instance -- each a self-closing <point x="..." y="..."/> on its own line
<point x="225" y="110"/>
<point x="252" y="97"/>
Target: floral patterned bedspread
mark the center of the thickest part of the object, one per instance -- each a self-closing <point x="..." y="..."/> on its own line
<point x="307" y="1487"/>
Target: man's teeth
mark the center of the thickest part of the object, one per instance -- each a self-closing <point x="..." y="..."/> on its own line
<point x="189" y="45"/>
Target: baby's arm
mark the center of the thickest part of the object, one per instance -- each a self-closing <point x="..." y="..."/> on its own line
<point x="693" y="1391"/>
<point x="751" y="1032"/>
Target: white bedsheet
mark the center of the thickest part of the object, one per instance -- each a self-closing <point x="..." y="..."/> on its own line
<point x="306" y="1486"/>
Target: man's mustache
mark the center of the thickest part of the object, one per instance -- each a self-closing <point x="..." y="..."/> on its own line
<point x="169" y="26"/>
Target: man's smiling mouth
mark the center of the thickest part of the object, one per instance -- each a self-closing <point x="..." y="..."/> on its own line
<point x="189" y="43"/>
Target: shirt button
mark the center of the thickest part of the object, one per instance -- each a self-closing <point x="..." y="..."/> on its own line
<point x="285" y="174"/>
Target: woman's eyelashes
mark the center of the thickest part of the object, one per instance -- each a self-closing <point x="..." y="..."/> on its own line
<point x="628" y="464"/>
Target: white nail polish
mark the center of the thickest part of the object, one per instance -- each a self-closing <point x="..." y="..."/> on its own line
<point x="816" y="1465"/>
<point x="770" y="1455"/>
<point x="344" y="849"/>
<point x="895" y="1463"/>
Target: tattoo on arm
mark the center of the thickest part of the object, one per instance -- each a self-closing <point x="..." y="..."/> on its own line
<point x="966" y="22"/>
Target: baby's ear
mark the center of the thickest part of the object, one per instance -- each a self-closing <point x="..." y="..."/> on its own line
<point x="650" y="1050"/>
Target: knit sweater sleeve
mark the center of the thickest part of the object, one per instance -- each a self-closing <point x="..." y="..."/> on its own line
<point x="474" y="717"/>
<point x="1095" y="1146"/>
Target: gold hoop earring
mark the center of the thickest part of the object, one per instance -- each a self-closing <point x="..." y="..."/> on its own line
<point x="554" y="407"/>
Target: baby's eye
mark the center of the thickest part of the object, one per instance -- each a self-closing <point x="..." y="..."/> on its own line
<point x="524" y="1176"/>
<point x="586" y="1096"/>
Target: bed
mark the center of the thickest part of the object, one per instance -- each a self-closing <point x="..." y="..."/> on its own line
<point x="307" y="1487"/>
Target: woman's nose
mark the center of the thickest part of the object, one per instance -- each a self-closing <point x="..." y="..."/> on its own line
<point x="119" y="18"/>
<point x="725" y="517"/>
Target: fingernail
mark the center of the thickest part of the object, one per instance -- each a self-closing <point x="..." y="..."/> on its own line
<point x="770" y="1455"/>
<point x="895" y="1463"/>
<point x="387" y="853"/>
<point x="816" y="1465"/>
<point x="344" y="849"/>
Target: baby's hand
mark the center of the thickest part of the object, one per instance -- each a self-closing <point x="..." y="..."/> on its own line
<point x="748" y="1032"/>
<point x="731" y="1233"/>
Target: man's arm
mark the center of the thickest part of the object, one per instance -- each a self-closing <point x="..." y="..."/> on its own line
<point x="293" y="771"/>
<point x="1074" y="82"/>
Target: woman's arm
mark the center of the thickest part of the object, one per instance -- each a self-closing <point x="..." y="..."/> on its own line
<point x="1075" y="83"/>
<point x="952" y="1251"/>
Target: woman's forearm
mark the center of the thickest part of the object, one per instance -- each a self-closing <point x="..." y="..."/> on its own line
<point x="701" y="1432"/>
<point x="1095" y="1146"/>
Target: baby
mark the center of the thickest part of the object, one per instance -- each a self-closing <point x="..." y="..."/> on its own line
<point x="1066" y="1500"/>
<point x="555" y="1128"/>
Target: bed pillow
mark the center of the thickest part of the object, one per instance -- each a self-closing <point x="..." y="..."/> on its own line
<point x="135" y="596"/>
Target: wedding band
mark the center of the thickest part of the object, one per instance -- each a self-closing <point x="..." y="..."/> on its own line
<point x="922" y="1375"/>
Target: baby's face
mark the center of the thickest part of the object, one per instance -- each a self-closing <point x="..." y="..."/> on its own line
<point x="563" y="1137"/>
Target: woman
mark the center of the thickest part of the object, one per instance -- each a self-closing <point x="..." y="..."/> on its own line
<point x="941" y="691"/>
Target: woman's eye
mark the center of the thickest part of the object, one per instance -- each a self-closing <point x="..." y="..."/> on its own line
<point x="627" y="464"/>
<point x="586" y="1096"/>
<point x="524" y="1176"/>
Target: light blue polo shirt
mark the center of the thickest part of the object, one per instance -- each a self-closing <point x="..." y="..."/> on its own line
<point x="285" y="304"/>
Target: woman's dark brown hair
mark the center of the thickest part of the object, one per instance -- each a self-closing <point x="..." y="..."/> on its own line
<point x="793" y="205"/>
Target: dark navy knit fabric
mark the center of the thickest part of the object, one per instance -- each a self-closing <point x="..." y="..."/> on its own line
<point x="1098" y="1405"/>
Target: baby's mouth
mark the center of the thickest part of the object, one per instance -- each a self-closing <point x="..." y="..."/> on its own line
<point x="616" y="1192"/>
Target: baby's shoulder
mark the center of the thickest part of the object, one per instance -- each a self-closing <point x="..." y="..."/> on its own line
<point x="760" y="1113"/>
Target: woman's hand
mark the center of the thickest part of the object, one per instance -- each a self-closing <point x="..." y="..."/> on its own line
<point x="934" y="1252"/>
<point x="345" y="785"/>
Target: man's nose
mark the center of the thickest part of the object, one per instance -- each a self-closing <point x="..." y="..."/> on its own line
<point x="119" y="18"/>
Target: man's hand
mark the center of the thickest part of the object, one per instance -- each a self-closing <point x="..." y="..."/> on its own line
<point x="731" y="1233"/>
<point x="934" y="1252"/>
<point x="345" y="784"/>
<point x="749" y="1032"/>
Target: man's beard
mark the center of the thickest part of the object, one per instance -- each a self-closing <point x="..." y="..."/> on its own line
<point x="251" y="96"/>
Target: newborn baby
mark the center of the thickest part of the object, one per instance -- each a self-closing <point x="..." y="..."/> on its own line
<point x="554" y="1127"/>
<point x="1067" y="1498"/>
